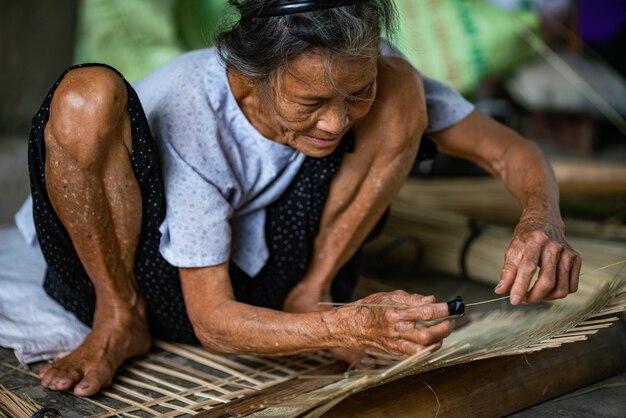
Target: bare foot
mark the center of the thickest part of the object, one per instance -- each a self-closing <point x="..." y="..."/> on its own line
<point x="92" y="365"/>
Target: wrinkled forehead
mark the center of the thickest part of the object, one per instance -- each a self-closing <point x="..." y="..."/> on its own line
<point x="319" y="72"/>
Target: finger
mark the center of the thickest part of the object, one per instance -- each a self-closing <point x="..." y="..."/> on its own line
<point x="428" y="335"/>
<point x="423" y="312"/>
<point x="525" y="272"/>
<point x="512" y="259"/>
<point x="402" y="348"/>
<point x="562" y="288"/>
<point x="572" y="263"/>
<point x="425" y="300"/>
<point x="575" y="273"/>
<point x="410" y="299"/>
<point x="549" y="273"/>
<point x="407" y="348"/>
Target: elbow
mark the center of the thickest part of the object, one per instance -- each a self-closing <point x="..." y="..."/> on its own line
<point x="214" y="342"/>
<point x="215" y="338"/>
<point x="215" y="347"/>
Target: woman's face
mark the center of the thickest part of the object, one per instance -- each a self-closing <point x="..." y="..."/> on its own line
<point x="318" y="99"/>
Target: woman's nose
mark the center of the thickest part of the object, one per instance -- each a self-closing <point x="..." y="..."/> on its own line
<point x="333" y="120"/>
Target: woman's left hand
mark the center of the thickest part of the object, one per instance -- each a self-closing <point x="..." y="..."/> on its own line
<point x="539" y="244"/>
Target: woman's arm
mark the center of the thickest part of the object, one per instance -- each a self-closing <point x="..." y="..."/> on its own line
<point x="538" y="241"/>
<point x="224" y="325"/>
<point x="387" y="140"/>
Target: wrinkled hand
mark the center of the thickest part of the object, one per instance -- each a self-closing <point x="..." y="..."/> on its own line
<point x="393" y="329"/>
<point x="542" y="245"/>
<point x="305" y="297"/>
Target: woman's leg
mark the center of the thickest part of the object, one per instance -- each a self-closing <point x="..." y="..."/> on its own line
<point x="90" y="183"/>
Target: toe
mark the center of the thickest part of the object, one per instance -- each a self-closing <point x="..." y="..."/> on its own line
<point x="57" y="377"/>
<point x="62" y="383"/>
<point x="91" y="384"/>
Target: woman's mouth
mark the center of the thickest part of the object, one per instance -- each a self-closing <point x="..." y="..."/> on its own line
<point x="322" y="142"/>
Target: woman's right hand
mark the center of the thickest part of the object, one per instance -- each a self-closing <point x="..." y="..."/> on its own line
<point x="392" y="329"/>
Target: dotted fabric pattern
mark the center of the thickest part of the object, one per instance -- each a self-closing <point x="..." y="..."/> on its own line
<point x="291" y="226"/>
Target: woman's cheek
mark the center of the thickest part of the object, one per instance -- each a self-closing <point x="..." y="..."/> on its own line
<point x="299" y="119"/>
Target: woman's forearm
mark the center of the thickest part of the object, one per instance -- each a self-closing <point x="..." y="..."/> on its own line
<point x="235" y="327"/>
<point x="538" y="240"/>
<point x="224" y="325"/>
<point x="531" y="180"/>
<point x="369" y="178"/>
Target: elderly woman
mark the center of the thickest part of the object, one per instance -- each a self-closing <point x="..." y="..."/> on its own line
<point x="219" y="202"/>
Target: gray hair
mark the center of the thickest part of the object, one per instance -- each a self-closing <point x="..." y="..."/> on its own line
<point x="260" y="47"/>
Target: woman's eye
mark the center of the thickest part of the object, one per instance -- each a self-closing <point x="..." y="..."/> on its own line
<point x="311" y="105"/>
<point x="361" y="96"/>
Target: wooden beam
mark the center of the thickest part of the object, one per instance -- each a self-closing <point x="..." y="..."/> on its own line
<point x="494" y="387"/>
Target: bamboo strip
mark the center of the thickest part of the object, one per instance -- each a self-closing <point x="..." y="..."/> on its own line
<point x="184" y="352"/>
<point x="162" y="401"/>
<point x="581" y="332"/>
<point x="448" y="352"/>
<point x="590" y="327"/>
<point x="422" y="355"/>
<point x="154" y="388"/>
<point x="606" y="321"/>
<point x="183" y="376"/>
<point x="137" y="405"/>
<point x="230" y="363"/>
<point x="128" y="391"/>
<point x="151" y="377"/>
<point x="468" y="356"/>
<point x="202" y="375"/>
<point x="608" y="312"/>
<point x="286" y="366"/>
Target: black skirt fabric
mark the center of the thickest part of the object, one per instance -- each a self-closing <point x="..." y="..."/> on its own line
<point x="291" y="226"/>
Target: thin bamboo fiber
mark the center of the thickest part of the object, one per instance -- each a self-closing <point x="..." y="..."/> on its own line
<point x="486" y="199"/>
<point x="16" y="405"/>
<point x="487" y="335"/>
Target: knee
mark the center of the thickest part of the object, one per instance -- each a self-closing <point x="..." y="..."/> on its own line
<point x="87" y="111"/>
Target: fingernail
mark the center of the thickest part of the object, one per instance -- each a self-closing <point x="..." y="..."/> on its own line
<point x="499" y="285"/>
<point x="516" y="299"/>
<point x="83" y="386"/>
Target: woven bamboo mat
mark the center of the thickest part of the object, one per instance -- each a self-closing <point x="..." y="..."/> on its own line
<point x="181" y="380"/>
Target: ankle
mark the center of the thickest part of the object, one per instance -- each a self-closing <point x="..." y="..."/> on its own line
<point x="121" y="311"/>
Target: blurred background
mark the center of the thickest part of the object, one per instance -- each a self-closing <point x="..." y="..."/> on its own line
<point x="554" y="70"/>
